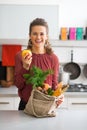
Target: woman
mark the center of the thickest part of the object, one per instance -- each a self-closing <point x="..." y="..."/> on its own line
<point x="42" y="57"/>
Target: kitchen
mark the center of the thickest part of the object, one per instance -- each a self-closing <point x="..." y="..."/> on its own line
<point x="64" y="53"/>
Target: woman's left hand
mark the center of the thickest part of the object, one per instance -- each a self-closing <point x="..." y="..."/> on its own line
<point x="60" y="100"/>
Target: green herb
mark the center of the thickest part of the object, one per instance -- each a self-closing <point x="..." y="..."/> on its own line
<point x="50" y="91"/>
<point x="37" y="76"/>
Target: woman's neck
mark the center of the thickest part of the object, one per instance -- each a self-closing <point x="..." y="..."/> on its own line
<point x="38" y="50"/>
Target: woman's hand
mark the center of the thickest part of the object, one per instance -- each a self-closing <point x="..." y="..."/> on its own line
<point x="60" y="100"/>
<point x="27" y="59"/>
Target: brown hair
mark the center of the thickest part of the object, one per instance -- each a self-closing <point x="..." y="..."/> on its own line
<point x="42" y="22"/>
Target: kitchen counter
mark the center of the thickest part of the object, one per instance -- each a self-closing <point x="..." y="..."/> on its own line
<point x="64" y="120"/>
<point x="76" y="94"/>
<point x="11" y="91"/>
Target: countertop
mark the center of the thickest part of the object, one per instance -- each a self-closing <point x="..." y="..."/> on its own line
<point x="64" y="120"/>
<point x="11" y="91"/>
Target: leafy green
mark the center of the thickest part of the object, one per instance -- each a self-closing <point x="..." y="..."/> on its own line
<point x="50" y="91"/>
<point x="37" y="76"/>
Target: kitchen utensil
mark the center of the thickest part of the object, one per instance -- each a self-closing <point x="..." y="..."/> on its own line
<point x="85" y="70"/>
<point x="64" y="77"/>
<point x="72" y="68"/>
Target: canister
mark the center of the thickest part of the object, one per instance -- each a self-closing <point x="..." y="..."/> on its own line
<point x="79" y="33"/>
<point x="72" y="33"/>
<point x="63" y="35"/>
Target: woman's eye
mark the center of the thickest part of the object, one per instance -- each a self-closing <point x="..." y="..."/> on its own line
<point x="42" y="34"/>
<point x="35" y="34"/>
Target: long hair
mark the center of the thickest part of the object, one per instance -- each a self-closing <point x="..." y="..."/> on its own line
<point x="42" y="22"/>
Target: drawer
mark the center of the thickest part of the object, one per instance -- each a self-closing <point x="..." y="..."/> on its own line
<point x="7" y="103"/>
<point x="75" y="103"/>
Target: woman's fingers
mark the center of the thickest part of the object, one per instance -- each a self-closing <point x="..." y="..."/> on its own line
<point x="27" y="59"/>
<point x="60" y="100"/>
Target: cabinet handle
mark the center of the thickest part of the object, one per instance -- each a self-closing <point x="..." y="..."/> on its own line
<point x="4" y="103"/>
<point x="79" y="103"/>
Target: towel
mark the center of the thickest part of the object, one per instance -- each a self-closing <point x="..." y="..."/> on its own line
<point x="8" y="54"/>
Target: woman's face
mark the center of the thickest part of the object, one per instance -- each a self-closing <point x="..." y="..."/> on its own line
<point x="38" y="35"/>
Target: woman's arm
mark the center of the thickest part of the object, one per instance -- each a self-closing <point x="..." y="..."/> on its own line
<point x="55" y="67"/>
<point x="19" y="71"/>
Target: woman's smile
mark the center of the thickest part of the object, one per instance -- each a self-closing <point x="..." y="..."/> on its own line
<point x="38" y="41"/>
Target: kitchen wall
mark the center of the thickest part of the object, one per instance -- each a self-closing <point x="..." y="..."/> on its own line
<point x="15" y="20"/>
<point x="71" y="14"/>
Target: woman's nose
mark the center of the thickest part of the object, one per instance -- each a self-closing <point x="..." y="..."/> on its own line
<point x="38" y="36"/>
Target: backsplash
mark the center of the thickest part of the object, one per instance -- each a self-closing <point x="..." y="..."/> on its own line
<point x="79" y="57"/>
<point x="81" y="79"/>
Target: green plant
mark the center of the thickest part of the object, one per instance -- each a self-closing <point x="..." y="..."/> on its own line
<point x="37" y="76"/>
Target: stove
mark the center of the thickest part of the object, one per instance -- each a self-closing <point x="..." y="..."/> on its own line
<point x="77" y="88"/>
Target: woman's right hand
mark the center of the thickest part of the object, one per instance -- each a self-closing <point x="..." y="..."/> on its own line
<point x="27" y="59"/>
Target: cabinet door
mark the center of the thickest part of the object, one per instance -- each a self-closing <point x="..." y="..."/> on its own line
<point x="77" y="103"/>
<point x="6" y="103"/>
<point x="16" y="103"/>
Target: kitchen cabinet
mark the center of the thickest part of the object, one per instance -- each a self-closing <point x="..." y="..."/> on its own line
<point x="6" y="103"/>
<point x="77" y="103"/>
<point x="9" y="103"/>
<point x="9" y="99"/>
<point x="16" y="103"/>
<point x="75" y="100"/>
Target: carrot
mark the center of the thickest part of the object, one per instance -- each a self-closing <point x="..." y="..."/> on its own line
<point x="58" y="91"/>
<point x="46" y="86"/>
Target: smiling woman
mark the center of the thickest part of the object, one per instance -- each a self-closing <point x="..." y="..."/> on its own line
<point x="14" y="19"/>
<point x="42" y="57"/>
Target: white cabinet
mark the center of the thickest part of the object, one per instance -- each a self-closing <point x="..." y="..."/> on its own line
<point x="6" y="103"/>
<point x="75" y="100"/>
<point x="16" y="102"/>
<point x="77" y="103"/>
<point x="9" y="103"/>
